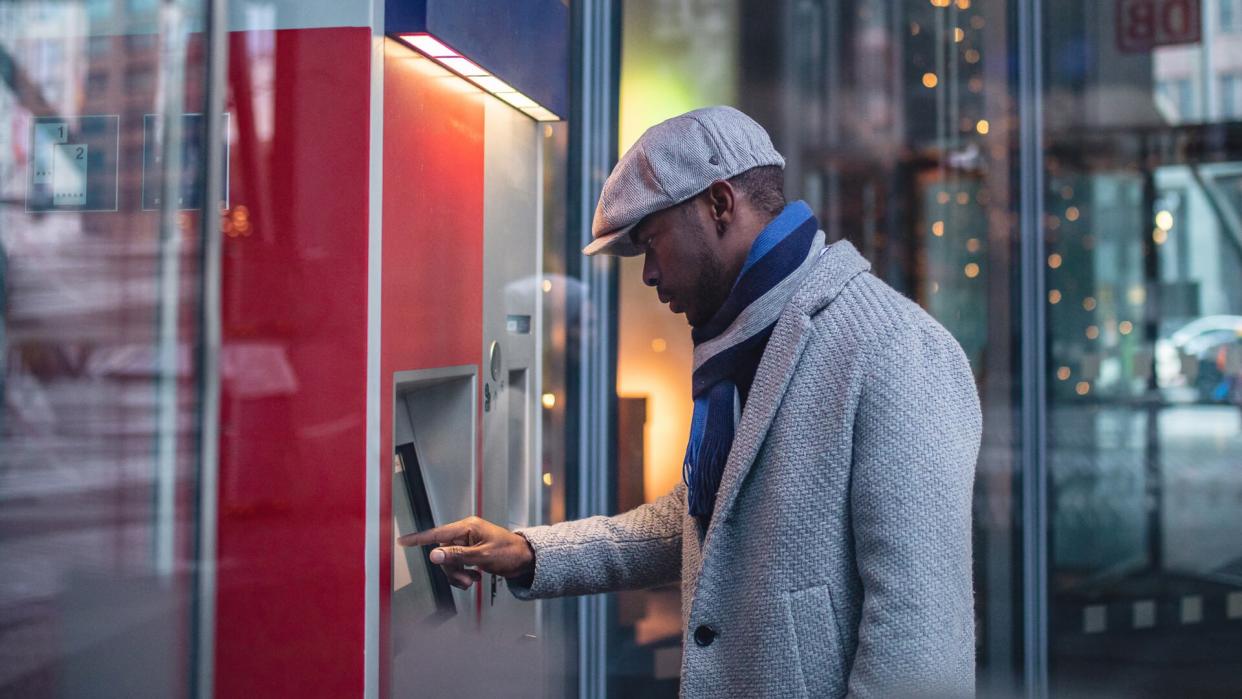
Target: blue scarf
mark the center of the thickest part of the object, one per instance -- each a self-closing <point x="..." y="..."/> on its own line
<point x="728" y="348"/>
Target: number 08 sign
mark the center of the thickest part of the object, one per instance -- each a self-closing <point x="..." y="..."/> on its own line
<point x="1145" y="24"/>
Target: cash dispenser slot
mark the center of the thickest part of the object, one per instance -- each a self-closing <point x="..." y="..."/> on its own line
<point x="412" y="504"/>
<point x="435" y="433"/>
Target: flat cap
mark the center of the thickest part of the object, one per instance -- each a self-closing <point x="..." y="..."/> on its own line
<point x="672" y="162"/>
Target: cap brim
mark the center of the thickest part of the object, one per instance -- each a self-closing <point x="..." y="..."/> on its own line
<point x="617" y="243"/>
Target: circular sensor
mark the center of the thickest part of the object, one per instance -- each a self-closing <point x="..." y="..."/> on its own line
<point x="495" y="360"/>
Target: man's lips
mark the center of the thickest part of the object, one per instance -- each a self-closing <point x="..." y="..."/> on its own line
<point x="671" y="300"/>
<point x="673" y="304"/>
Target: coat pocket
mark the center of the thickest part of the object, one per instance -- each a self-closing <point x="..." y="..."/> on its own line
<point x="821" y="652"/>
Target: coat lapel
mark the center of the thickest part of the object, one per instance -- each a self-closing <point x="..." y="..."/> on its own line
<point x="785" y="347"/>
<point x="840" y="264"/>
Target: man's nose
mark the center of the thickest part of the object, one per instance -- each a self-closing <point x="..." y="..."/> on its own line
<point x="651" y="274"/>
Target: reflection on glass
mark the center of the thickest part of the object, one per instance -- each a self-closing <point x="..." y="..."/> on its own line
<point x="1145" y="356"/>
<point x="896" y="121"/>
<point x="98" y="384"/>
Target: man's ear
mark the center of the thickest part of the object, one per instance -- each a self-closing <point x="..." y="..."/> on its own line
<point x="722" y="198"/>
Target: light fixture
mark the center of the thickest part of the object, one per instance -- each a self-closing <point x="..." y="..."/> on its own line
<point x="429" y="45"/>
<point x="463" y="67"/>
<point x="450" y="58"/>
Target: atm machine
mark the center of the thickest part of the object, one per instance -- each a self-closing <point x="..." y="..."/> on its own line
<point x="462" y="436"/>
<point x="466" y="112"/>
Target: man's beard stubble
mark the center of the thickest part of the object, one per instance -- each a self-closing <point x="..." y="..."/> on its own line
<point x="710" y="289"/>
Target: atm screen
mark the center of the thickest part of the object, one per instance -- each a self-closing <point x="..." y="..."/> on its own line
<point x="419" y="586"/>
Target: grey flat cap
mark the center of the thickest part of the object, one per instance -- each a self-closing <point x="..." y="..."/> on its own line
<point x="672" y="162"/>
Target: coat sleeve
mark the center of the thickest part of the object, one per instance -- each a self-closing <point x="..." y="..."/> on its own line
<point x="916" y="440"/>
<point x="637" y="549"/>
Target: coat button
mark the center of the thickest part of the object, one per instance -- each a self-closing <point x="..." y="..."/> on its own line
<point x="704" y="635"/>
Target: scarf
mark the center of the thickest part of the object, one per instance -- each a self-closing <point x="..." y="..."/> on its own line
<point x="727" y="349"/>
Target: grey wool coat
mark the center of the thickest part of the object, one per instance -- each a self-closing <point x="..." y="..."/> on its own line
<point x="838" y="560"/>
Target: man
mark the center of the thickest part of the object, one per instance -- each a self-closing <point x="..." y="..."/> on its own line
<point x="822" y="532"/>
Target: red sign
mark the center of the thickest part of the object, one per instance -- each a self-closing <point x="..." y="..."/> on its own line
<point x="1145" y="24"/>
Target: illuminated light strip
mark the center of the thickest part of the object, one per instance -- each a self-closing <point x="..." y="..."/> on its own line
<point x="517" y="99"/>
<point x="428" y="44"/>
<point x="446" y="56"/>
<point x="492" y="84"/>
<point x="463" y="67"/>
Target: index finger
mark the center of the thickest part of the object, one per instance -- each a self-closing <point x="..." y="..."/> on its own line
<point x="439" y="535"/>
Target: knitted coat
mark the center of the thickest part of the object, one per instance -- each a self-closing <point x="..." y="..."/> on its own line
<point x="838" y="560"/>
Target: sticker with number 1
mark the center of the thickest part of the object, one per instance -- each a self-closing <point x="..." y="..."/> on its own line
<point x="47" y="135"/>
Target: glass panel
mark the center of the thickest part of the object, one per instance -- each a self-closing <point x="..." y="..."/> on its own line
<point x="1144" y="271"/>
<point x="898" y="123"/>
<point x="100" y="133"/>
<point x="564" y="317"/>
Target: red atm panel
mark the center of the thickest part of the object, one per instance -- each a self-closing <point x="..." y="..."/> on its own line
<point x="432" y="249"/>
<point x="290" y="606"/>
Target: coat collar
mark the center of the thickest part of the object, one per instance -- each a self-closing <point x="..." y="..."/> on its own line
<point x="839" y="264"/>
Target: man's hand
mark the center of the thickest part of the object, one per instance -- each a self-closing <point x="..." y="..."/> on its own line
<point x="475" y="542"/>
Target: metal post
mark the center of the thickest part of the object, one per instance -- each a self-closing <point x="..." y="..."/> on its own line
<point x="172" y="57"/>
<point x="593" y="146"/>
<point x="1034" y="473"/>
<point x="216" y="38"/>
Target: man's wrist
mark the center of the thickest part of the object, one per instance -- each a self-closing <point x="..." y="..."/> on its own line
<point x="527" y="577"/>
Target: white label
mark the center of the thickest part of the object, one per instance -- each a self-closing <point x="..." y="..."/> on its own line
<point x="69" y="174"/>
<point x="46" y="135"/>
<point x="1144" y="615"/>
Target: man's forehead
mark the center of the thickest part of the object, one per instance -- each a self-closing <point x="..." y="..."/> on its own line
<point x="651" y="223"/>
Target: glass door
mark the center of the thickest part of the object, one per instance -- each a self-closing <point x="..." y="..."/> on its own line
<point x="1143" y="265"/>
<point x="101" y="145"/>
